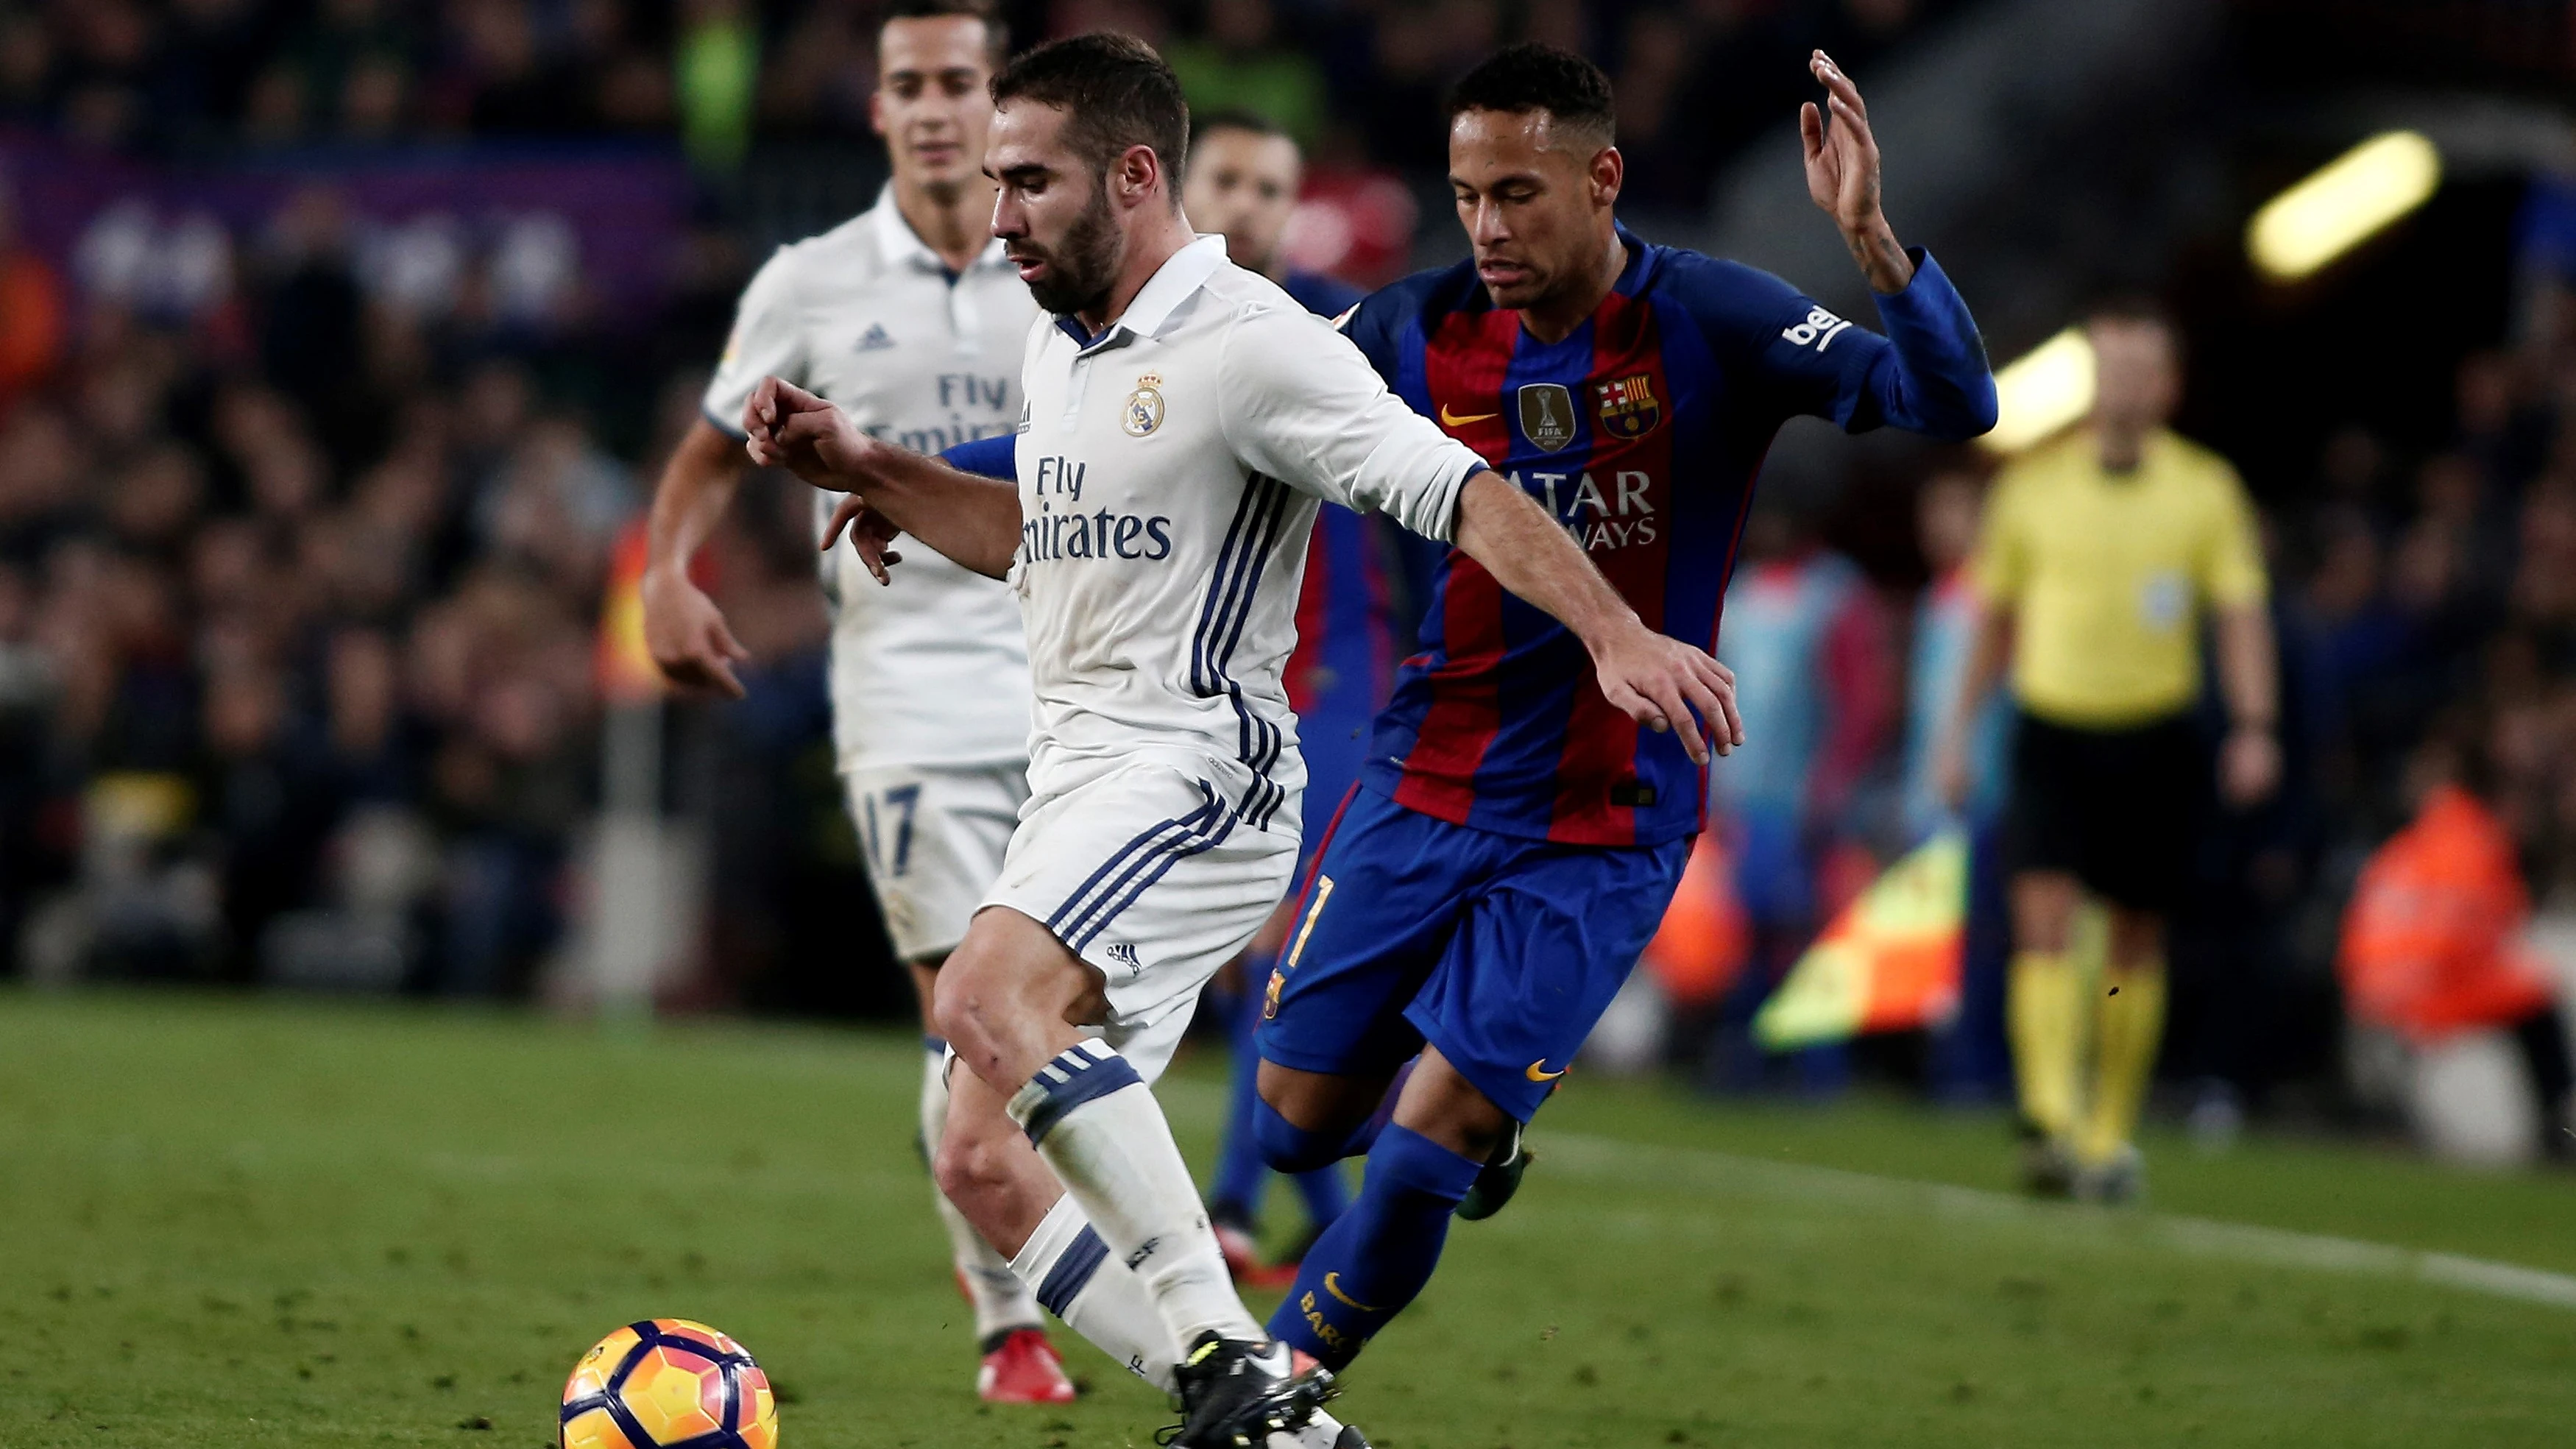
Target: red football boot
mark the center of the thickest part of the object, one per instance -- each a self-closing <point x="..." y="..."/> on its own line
<point x="1023" y="1369"/>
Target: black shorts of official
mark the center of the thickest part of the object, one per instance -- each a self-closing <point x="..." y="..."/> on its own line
<point x="2119" y="809"/>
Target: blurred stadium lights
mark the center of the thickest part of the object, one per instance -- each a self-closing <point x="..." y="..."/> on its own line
<point x="2343" y="205"/>
<point x="2044" y="390"/>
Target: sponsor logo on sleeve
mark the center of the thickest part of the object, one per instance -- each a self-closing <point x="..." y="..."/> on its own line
<point x="1818" y="331"/>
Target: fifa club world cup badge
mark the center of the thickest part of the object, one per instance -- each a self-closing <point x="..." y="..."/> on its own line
<point x="1144" y="410"/>
<point x="1628" y="406"/>
<point x="1547" y="415"/>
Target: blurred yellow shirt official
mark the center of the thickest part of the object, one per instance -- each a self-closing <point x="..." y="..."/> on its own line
<point x="2109" y="575"/>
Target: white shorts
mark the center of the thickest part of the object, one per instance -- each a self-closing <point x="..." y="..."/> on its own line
<point x="934" y="838"/>
<point x="1146" y="873"/>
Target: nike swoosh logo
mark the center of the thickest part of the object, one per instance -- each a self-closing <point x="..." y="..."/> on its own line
<point x="1449" y="419"/>
<point x="1534" y="1074"/>
<point x="1332" y="1285"/>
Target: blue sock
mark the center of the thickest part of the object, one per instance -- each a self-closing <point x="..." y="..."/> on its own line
<point x="1327" y="1194"/>
<point x="1240" y="1173"/>
<point x="1374" y="1261"/>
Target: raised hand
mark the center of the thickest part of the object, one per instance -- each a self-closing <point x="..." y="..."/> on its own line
<point x="870" y="533"/>
<point x="1665" y="684"/>
<point x="1843" y="175"/>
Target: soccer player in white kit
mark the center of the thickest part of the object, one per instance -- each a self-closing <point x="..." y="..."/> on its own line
<point x="1184" y="417"/>
<point x="910" y="317"/>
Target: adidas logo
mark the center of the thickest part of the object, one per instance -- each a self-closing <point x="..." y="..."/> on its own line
<point x="1124" y="953"/>
<point x="875" y="339"/>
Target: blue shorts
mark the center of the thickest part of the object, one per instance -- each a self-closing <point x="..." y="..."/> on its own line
<point x="1499" y="950"/>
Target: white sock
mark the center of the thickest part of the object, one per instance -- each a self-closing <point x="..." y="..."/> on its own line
<point x="1068" y="1265"/>
<point x="1000" y="1299"/>
<point x="1099" y="1127"/>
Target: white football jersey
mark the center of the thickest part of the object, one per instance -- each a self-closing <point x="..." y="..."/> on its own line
<point x="1168" y="473"/>
<point x="934" y="669"/>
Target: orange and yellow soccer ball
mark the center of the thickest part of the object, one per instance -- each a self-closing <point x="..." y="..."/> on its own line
<point x="667" y="1383"/>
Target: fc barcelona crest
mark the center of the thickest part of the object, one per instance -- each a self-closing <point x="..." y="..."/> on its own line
<point x="1628" y="406"/>
<point x="1547" y="415"/>
<point x="1143" y="411"/>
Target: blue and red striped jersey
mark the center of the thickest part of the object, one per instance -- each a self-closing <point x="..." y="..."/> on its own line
<point x="1642" y="432"/>
<point x="1348" y="637"/>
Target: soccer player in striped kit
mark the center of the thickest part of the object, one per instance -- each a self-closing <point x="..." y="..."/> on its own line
<point x="1516" y="838"/>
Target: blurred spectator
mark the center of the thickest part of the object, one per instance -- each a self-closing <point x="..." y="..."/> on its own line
<point x="717" y="67"/>
<point x="31" y="311"/>
<point x="1815" y="689"/>
<point x="2432" y="940"/>
<point x="1971" y="1060"/>
<point x="1240" y="61"/>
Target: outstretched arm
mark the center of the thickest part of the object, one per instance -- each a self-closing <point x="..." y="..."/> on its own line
<point x="975" y="521"/>
<point x="1654" y="679"/>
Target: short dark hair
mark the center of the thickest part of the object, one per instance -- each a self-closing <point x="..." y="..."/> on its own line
<point x="1116" y="91"/>
<point x="997" y="31"/>
<point x="1233" y="118"/>
<point x="1532" y="76"/>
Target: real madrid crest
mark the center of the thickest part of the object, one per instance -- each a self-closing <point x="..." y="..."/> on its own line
<point x="1143" y="412"/>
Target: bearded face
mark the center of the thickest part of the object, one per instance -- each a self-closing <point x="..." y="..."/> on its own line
<point x="1075" y="268"/>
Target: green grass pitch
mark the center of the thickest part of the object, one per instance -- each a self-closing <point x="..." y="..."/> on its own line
<point x="240" y="1222"/>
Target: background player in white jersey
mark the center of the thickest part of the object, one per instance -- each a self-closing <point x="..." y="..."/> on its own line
<point x="1184" y="417"/>
<point x="911" y="318"/>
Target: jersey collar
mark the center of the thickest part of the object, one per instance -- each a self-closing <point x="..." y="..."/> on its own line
<point x="1175" y="282"/>
<point x="900" y="245"/>
<point x="1643" y="261"/>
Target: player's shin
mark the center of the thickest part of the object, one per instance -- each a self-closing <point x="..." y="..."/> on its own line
<point x="1375" y="1259"/>
<point x="1070" y="1269"/>
<point x="1098" y="1127"/>
<point x="1001" y="1301"/>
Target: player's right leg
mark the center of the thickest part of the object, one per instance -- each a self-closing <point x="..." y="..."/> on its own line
<point x="1122" y="895"/>
<point x="987" y="1162"/>
<point x="934" y="841"/>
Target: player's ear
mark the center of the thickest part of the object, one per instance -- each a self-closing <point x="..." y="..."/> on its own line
<point x="876" y="109"/>
<point x="1609" y="171"/>
<point x="1134" y="173"/>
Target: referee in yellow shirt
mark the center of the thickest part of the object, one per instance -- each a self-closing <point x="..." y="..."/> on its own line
<point x="2101" y="558"/>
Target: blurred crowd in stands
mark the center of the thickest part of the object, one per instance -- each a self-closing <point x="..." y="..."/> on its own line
<point x="300" y="582"/>
<point x="1352" y="79"/>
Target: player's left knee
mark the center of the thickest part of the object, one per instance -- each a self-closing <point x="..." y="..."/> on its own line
<point x="1288" y="1147"/>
